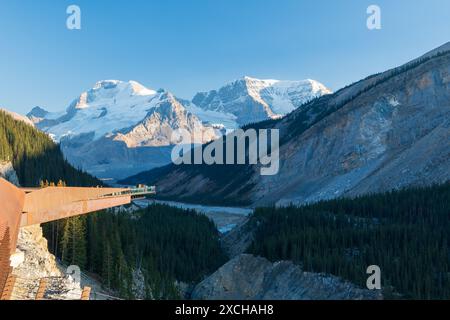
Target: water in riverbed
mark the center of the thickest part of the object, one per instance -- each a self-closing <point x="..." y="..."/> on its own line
<point x="225" y="218"/>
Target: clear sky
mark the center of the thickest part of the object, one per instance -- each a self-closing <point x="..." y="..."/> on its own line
<point x="187" y="46"/>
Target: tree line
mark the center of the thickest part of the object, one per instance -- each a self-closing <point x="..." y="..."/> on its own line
<point x="406" y="233"/>
<point x="35" y="156"/>
<point x="164" y="243"/>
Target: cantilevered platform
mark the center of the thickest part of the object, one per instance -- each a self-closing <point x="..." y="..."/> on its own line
<point x="20" y="207"/>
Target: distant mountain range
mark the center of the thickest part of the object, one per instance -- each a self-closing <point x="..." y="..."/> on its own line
<point x="118" y="128"/>
<point x="388" y="131"/>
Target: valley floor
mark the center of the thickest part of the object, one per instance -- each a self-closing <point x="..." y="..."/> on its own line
<point x="225" y="218"/>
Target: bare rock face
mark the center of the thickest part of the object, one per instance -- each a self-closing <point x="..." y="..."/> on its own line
<point x="8" y="173"/>
<point x="247" y="277"/>
<point x="388" y="131"/>
<point x="393" y="136"/>
<point x="156" y="129"/>
<point x="138" y="285"/>
<point x="38" y="264"/>
<point x="238" y="239"/>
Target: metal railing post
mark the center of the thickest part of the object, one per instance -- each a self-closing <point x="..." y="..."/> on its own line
<point x="8" y="288"/>
<point x="41" y="290"/>
<point x="85" y="295"/>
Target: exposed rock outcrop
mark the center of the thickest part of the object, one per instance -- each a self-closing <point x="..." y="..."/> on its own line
<point x="238" y="239"/>
<point x="247" y="277"/>
<point x="7" y="172"/>
<point x="38" y="264"/>
<point x="138" y="285"/>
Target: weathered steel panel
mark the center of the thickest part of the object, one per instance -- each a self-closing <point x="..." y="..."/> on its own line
<point x="11" y="203"/>
<point x="48" y="198"/>
<point x="62" y="211"/>
<point x="24" y="207"/>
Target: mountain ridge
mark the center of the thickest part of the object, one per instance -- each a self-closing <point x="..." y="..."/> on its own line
<point x="342" y="144"/>
<point x="266" y="98"/>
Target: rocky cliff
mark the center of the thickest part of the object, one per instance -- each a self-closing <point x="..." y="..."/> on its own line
<point x="38" y="264"/>
<point x="247" y="277"/>
<point x="7" y="172"/>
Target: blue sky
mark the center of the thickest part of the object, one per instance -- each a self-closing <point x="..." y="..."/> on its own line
<point x="187" y="46"/>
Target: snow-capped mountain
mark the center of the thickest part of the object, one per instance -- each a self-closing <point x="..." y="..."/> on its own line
<point x="126" y="110"/>
<point x="120" y="128"/>
<point x="156" y="128"/>
<point x="252" y="100"/>
<point x="99" y="127"/>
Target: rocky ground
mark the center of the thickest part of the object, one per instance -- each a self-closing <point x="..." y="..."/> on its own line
<point x="247" y="277"/>
<point x="39" y="264"/>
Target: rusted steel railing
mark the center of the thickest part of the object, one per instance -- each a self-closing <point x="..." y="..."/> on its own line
<point x="41" y="290"/>
<point x="8" y="287"/>
<point x="30" y="206"/>
<point x="11" y="204"/>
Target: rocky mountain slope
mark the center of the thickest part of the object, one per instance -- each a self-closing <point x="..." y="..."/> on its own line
<point x="117" y="128"/>
<point x="247" y="277"/>
<point x="385" y="132"/>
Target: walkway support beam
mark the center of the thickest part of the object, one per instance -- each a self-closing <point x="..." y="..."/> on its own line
<point x="54" y="203"/>
<point x="21" y="207"/>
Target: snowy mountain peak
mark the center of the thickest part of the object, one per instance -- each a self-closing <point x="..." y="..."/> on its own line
<point x="131" y="87"/>
<point x="252" y="100"/>
<point x="140" y="90"/>
<point x="112" y="89"/>
<point x="263" y="82"/>
<point x="109" y="92"/>
<point x="260" y="84"/>
<point x="255" y="83"/>
<point x="37" y="112"/>
<point x="113" y="107"/>
<point x="106" y="84"/>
